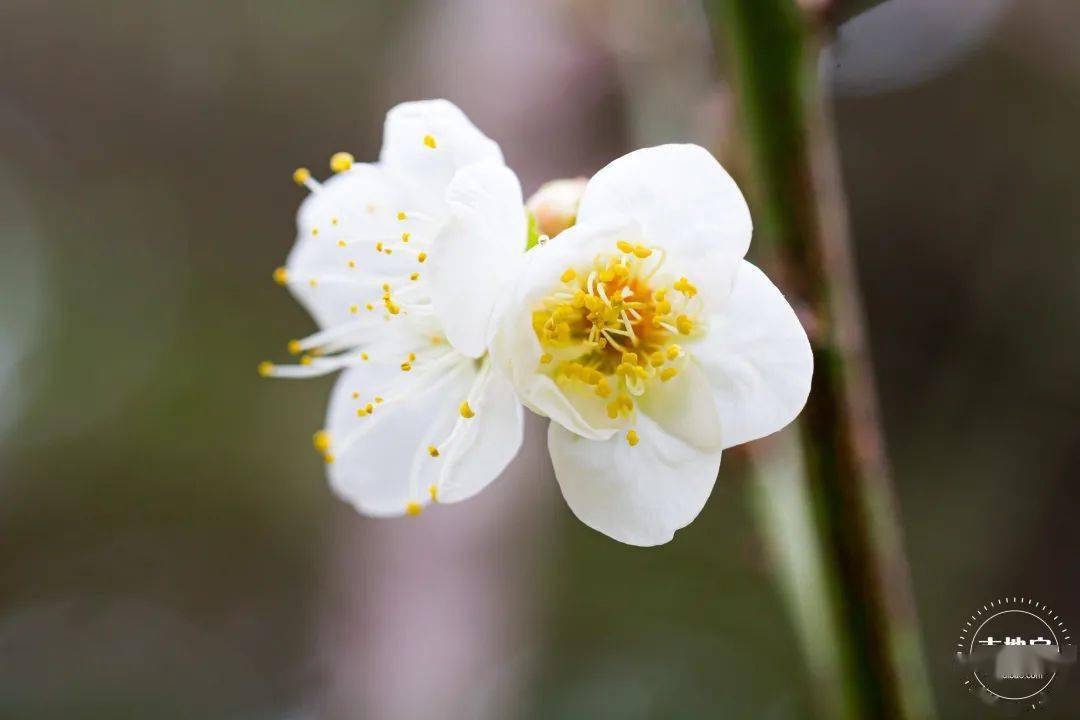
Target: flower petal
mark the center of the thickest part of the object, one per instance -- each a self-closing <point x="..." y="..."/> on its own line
<point x="430" y="140"/>
<point x="477" y="254"/>
<point x="485" y="443"/>
<point x="684" y="407"/>
<point x="758" y="359"/>
<point x="355" y="208"/>
<point x="679" y="195"/>
<point x="380" y="461"/>
<point x="637" y="495"/>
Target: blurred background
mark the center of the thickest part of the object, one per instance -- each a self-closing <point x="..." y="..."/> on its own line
<point x="169" y="547"/>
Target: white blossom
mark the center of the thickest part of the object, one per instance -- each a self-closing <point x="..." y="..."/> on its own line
<point x="400" y="263"/>
<point x="651" y="343"/>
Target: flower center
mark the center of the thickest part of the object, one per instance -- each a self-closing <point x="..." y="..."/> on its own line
<point x="610" y="328"/>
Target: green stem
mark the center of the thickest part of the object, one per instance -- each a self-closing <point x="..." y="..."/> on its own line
<point x="852" y="515"/>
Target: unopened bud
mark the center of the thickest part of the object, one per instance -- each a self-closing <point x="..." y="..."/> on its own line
<point x="553" y="208"/>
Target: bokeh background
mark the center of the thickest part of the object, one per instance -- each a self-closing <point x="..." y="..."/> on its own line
<point x="169" y="547"/>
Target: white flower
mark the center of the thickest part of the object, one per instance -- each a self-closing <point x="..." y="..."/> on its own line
<point x="651" y="344"/>
<point x="400" y="262"/>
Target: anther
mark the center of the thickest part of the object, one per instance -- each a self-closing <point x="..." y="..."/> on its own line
<point x="684" y="324"/>
<point x="421" y="257"/>
<point x="545" y="358"/>
<point x="301" y="175"/>
<point x="465" y="410"/>
<point x="406" y="367"/>
<point x="401" y="215"/>
<point x="429" y="140"/>
<point x="632" y="438"/>
<point x="321" y="441"/>
<point x="266" y="368"/>
<point x="294" y="347"/>
<point x="625" y="246"/>
<point x="568" y="275"/>
<point x="432" y="451"/>
<point x="433" y="491"/>
<point x="668" y="373"/>
<point x="341" y="161"/>
<point x="413" y="508"/>
<point x="281" y="276"/>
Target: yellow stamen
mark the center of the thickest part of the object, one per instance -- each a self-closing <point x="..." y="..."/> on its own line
<point x="668" y="373"/>
<point x="405" y="237"/>
<point x="321" y="441"/>
<point x="281" y="276"/>
<point x="401" y="215"/>
<point x="632" y="438"/>
<point x="568" y="275"/>
<point x="625" y="246"/>
<point x="465" y="410"/>
<point x="429" y="140"/>
<point x="406" y="367"/>
<point x="684" y="324"/>
<point x="413" y="508"/>
<point x="328" y="458"/>
<point x="433" y="491"/>
<point x="341" y="161"/>
<point x="294" y="347"/>
<point x="432" y="451"/>
<point x="545" y="358"/>
<point x="301" y="175"/>
<point x="266" y="368"/>
<point x="421" y="257"/>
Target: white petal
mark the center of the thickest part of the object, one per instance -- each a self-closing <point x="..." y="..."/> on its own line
<point x="486" y="442"/>
<point x="381" y="461"/>
<point x="684" y="407"/>
<point x="477" y="254"/>
<point x="758" y="359"/>
<point x="679" y="195"/>
<point x="457" y="143"/>
<point x="638" y="495"/>
<point x="357" y="207"/>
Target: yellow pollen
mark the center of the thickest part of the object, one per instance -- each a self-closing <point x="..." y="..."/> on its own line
<point x="433" y="491"/>
<point x="568" y="275"/>
<point x="294" y="347"/>
<point x="364" y="356"/>
<point x="545" y="358"/>
<point x="625" y="247"/>
<point x="421" y="257"/>
<point x="632" y="438"/>
<point x="314" y="232"/>
<point x="334" y="221"/>
<point x="401" y="215"/>
<point x="281" y="276"/>
<point x="352" y="263"/>
<point x="432" y="451"/>
<point x="354" y="309"/>
<point x="684" y="324"/>
<point x="685" y="287"/>
<point x="656" y="359"/>
<point x="266" y="368"/>
<point x="341" y="161"/>
<point x="673" y="352"/>
<point x="413" y="508"/>
<point x="321" y="441"/>
<point x="301" y="175"/>
<point x="355" y="395"/>
<point x="668" y="373"/>
<point x="313" y="282"/>
<point x="405" y="237"/>
<point x="412" y="357"/>
<point x="328" y="458"/>
<point x="406" y="367"/>
<point x="378" y="247"/>
<point x="388" y="251"/>
<point x="415" y="276"/>
<point x="429" y="140"/>
<point x="369" y="306"/>
<point x="305" y="360"/>
<point x="341" y="243"/>
<point x="361" y="412"/>
<point x="465" y="410"/>
<point x="378" y="399"/>
<point x="370" y="408"/>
